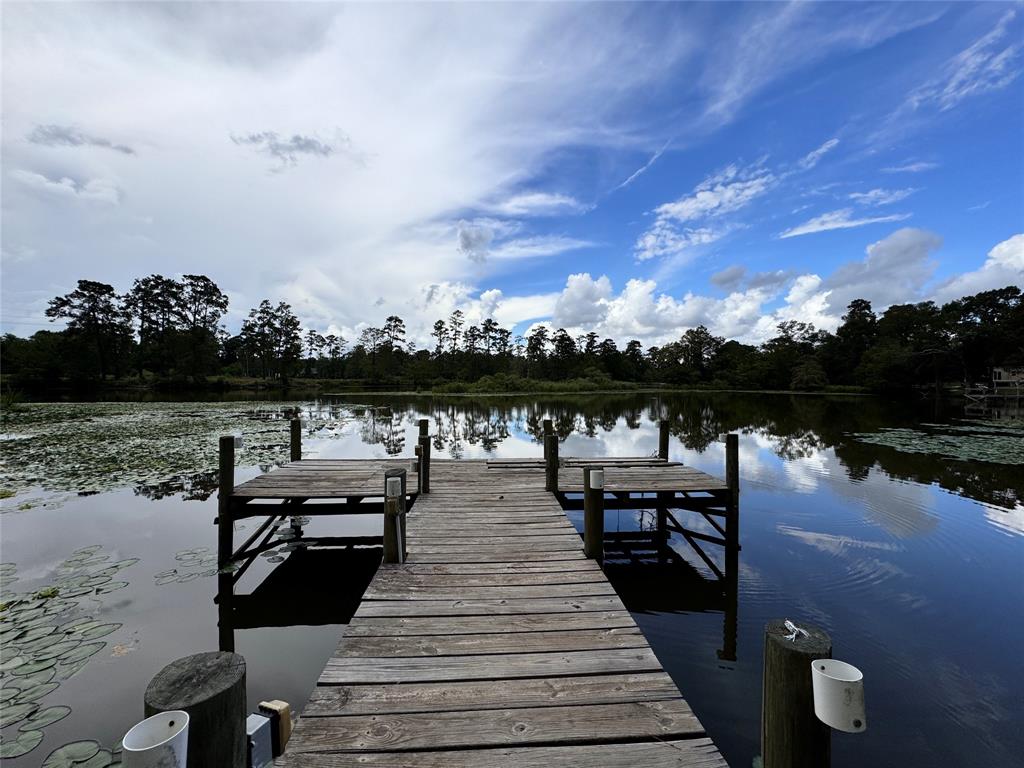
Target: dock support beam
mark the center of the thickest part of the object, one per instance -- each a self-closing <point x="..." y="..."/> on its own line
<point x="663" y="439"/>
<point x="394" y="515"/>
<point x="791" y="735"/>
<point x="296" y="440"/>
<point x="551" y="463"/>
<point x="225" y="542"/>
<point x="593" y="513"/>
<point x="424" y="443"/>
<point x="732" y="480"/>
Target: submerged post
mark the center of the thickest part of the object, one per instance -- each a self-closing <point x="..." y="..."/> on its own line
<point x="549" y="429"/>
<point x="394" y="515"/>
<point x="663" y="439"/>
<point x="296" y="441"/>
<point x="791" y="734"/>
<point x="424" y="441"/>
<point x="593" y="512"/>
<point x="551" y="463"/>
<point x="732" y="480"/>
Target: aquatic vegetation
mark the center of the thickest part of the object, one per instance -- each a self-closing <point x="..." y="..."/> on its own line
<point x="87" y="448"/>
<point x="192" y="564"/>
<point x="47" y="636"/>
<point x="994" y="442"/>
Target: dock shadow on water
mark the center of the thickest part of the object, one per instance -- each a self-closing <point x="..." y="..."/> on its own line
<point x="899" y="527"/>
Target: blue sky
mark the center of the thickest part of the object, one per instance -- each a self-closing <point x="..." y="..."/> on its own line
<point x="638" y="169"/>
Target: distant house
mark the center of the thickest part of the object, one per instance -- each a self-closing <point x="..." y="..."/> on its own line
<point x="1008" y="378"/>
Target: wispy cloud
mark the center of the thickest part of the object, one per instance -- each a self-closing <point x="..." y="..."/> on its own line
<point x="287" y="151"/>
<point x="537" y="204"/>
<point x="919" y="166"/>
<point x="63" y="135"/>
<point x="882" y="196"/>
<point x="643" y="168"/>
<point x="841" y="219"/>
<point x="811" y="159"/>
<point x="666" y="239"/>
<point x="989" y="64"/>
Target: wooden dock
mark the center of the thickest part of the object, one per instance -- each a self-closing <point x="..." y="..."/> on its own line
<point x="496" y="642"/>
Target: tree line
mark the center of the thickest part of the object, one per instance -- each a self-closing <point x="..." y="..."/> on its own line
<point x="167" y="329"/>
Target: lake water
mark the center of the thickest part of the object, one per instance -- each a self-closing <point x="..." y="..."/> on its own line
<point x="898" y="527"/>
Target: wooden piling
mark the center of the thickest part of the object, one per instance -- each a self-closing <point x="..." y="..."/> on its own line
<point x="210" y="687"/>
<point x="549" y="429"/>
<point x="296" y="441"/>
<point x="394" y="519"/>
<point x="791" y="735"/>
<point x="551" y="463"/>
<point x="593" y="517"/>
<point x="419" y="468"/>
<point x="732" y="479"/>
<point x="425" y="464"/>
<point x="663" y="439"/>
<point x="225" y="525"/>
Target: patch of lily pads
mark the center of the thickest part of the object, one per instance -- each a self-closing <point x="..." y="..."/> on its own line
<point x="993" y="442"/>
<point x="94" y="447"/>
<point x="190" y="564"/>
<point x="47" y="636"/>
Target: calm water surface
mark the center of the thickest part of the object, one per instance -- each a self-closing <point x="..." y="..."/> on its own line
<point x="897" y="527"/>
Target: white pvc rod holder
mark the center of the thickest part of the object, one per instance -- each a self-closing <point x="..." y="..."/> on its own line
<point x="839" y="695"/>
<point x="160" y="741"/>
<point x="597" y="479"/>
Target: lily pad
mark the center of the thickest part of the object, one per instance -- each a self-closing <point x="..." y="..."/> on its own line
<point x="25" y="742"/>
<point x="35" y="633"/>
<point x="101" y="631"/>
<point x="111" y="587"/>
<point x="37" y="692"/>
<point x="48" y="716"/>
<point x="33" y="666"/>
<point x="41" y="676"/>
<point x="82" y="652"/>
<point x="101" y="759"/>
<point x="69" y="754"/>
<point x="67" y="671"/>
<point x="13" y="713"/>
<point x="57" y="649"/>
<point x="12" y="662"/>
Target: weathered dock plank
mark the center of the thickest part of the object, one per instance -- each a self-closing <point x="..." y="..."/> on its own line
<point x="497" y="642"/>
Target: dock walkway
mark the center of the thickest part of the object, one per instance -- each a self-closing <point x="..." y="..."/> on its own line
<point x="496" y="643"/>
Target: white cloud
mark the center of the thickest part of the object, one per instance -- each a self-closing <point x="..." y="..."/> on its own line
<point x="725" y="192"/>
<point x="919" y="166"/>
<point x="537" y="204"/>
<point x="840" y="219"/>
<point x="1004" y="266"/>
<point x="584" y="300"/>
<point x="538" y="246"/>
<point x="879" y="196"/>
<point x="93" y="190"/>
<point x="664" y="238"/>
<point x="474" y="240"/>
<point x="811" y="158"/>
<point x="988" y="64"/>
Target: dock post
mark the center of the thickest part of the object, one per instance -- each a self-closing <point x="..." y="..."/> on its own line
<point x="549" y="429"/>
<point x="225" y="525"/>
<point x="296" y="441"/>
<point x="663" y="439"/>
<point x="225" y="543"/>
<point x="419" y="468"/>
<point x="791" y="735"/>
<point x="394" y="515"/>
<point x="551" y="463"/>
<point x="424" y="443"/>
<point x="732" y="480"/>
<point x="211" y="688"/>
<point x="662" y="534"/>
<point x="593" y="513"/>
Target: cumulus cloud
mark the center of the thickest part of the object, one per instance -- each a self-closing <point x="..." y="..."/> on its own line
<point x="893" y="271"/>
<point x="94" y="190"/>
<point x="841" y="219"/>
<point x="879" y="196"/>
<point x="583" y="302"/>
<point x="63" y="135"/>
<point x="1004" y="266"/>
<point x="989" y="64"/>
<point x="811" y="158"/>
